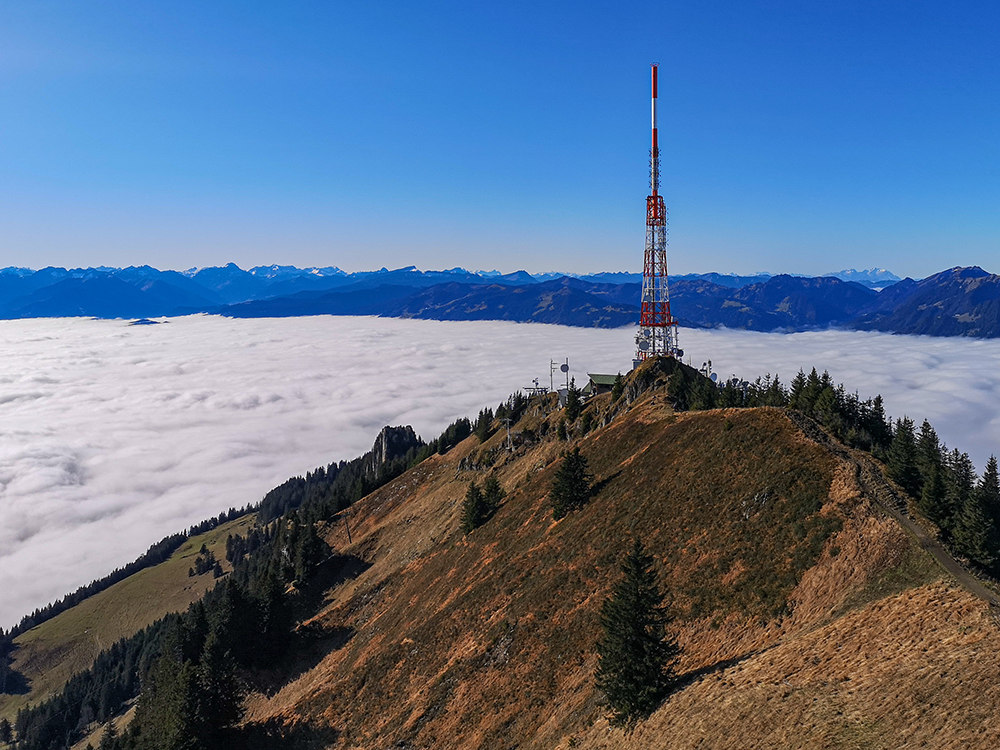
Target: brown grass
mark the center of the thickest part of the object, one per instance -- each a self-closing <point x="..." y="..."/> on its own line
<point x="487" y="641"/>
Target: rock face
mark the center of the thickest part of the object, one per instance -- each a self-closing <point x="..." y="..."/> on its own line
<point x="391" y="443"/>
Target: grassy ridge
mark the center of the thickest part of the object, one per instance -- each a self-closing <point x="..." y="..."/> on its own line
<point x="49" y="654"/>
<point x="466" y="642"/>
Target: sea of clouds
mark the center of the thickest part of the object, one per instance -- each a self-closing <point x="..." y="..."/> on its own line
<point x="113" y="436"/>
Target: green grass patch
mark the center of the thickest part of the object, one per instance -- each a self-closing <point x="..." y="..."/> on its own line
<point x="49" y="654"/>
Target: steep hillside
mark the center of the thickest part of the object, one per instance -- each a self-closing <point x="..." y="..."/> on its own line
<point x="50" y="653"/>
<point x="807" y="615"/>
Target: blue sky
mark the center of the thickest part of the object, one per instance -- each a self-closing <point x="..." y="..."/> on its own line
<point x="796" y="137"/>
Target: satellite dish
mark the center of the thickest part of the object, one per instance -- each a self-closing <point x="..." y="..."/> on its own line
<point x="563" y="368"/>
<point x="680" y="353"/>
<point x="714" y="376"/>
<point x="643" y="345"/>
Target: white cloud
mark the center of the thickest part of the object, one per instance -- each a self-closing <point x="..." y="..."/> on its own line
<point x="113" y="436"/>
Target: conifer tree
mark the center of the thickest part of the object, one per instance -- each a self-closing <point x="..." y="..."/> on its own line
<point x="973" y="532"/>
<point x="618" y="388"/>
<point x="928" y="449"/>
<point x="6" y="734"/>
<point x="635" y="653"/>
<point x="275" y="618"/>
<point x="220" y="694"/>
<point x="483" y="424"/>
<point x="571" y="486"/>
<point x="493" y="495"/>
<point x="902" y="457"/>
<point x="932" y="496"/>
<point x="878" y="426"/>
<point x="574" y="404"/>
<point x="310" y="550"/>
<point x="931" y="469"/>
<point x="798" y="387"/>
<point x="166" y="717"/>
<point x="988" y="490"/>
<point x="960" y="480"/>
<point x="474" y="512"/>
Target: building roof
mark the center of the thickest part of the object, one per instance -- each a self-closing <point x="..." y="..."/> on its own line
<point x="601" y="379"/>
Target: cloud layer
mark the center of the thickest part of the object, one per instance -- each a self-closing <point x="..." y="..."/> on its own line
<point x="113" y="436"/>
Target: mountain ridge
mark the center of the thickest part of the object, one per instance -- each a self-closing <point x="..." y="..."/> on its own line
<point x="956" y="302"/>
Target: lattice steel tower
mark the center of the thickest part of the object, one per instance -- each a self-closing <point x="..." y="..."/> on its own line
<point x="657" y="334"/>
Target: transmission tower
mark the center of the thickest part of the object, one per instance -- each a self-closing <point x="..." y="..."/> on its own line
<point x="657" y="334"/>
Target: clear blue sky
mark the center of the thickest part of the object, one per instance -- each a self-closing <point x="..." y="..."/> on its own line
<point x="799" y="137"/>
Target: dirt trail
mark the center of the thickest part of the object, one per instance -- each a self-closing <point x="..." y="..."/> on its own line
<point x="875" y="485"/>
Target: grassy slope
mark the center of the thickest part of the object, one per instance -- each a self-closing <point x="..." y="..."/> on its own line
<point x="51" y="653"/>
<point x="488" y="640"/>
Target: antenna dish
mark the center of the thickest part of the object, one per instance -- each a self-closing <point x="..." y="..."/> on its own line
<point x="563" y="368"/>
<point x="643" y="345"/>
<point x="714" y="376"/>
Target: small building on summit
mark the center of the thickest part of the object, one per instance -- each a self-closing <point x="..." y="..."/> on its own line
<point x="598" y="384"/>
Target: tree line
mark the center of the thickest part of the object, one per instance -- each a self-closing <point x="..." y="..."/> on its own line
<point x="157" y="553"/>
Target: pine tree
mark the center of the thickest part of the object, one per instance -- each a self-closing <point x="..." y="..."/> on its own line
<point x="275" y="619"/>
<point x="483" y="425"/>
<point x="635" y="653"/>
<point x="960" y="480"/>
<point x="574" y="404"/>
<point x="798" y="387"/>
<point x="220" y="694"/>
<point x="166" y="717"/>
<point x="618" y="388"/>
<point x="932" y="496"/>
<point x="310" y="551"/>
<point x="931" y="468"/>
<point x="474" y="510"/>
<point x="902" y="457"/>
<point x="571" y="486"/>
<point x="973" y="532"/>
<point x="988" y="490"/>
<point x="6" y="734"/>
<point x="493" y="495"/>
<point x="928" y="449"/>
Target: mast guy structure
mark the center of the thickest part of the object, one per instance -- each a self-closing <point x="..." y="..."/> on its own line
<point x="657" y="334"/>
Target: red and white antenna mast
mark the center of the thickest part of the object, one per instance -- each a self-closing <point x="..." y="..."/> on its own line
<point x="657" y="334"/>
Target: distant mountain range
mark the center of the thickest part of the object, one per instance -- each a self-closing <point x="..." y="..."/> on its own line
<point x="957" y="302"/>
